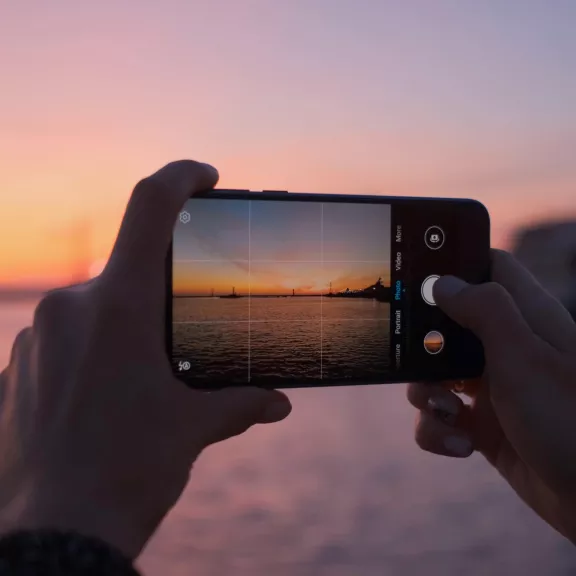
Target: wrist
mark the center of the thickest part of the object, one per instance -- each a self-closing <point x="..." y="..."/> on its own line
<point x="95" y="521"/>
<point x="62" y="552"/>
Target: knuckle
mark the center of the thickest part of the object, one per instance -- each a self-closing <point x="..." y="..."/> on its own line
<point x="20" y="342"/>
<point x="421" y="434"/>
<point x="53" y="307"/>
<point x="149" y="195"/>
<point x="414" y="394"/>
<point x="145" y="188"/>
<point x="22" y="336"/>
<point x="428" y="436"/>
<point x="410" y="393"/>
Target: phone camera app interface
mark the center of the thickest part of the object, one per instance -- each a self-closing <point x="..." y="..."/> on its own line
<point x="272" y="292"/>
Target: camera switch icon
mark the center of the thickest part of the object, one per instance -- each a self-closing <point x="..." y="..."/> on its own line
<point x="434" y="237"/>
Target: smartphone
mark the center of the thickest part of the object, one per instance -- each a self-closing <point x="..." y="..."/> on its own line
<point x="282" y="290"/>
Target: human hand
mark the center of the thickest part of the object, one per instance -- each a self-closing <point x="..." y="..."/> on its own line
<point x="521" y="415"/>
<point x="96" y="434"/>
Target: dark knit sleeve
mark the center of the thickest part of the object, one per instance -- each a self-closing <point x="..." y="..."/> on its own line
<point x="52" y="553"/>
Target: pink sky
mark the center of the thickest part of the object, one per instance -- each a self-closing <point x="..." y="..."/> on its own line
<point x="465" y="99"/>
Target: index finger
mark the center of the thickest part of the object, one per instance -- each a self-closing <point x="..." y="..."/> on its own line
<point x="138" y="259"/>
<point x="545" y="315"/>
<point x="419" y="393"/>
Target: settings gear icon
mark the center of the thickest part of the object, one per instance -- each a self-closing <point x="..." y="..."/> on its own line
<point x="184" y="217"/>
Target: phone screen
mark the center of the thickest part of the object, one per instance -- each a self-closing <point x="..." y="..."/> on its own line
<point x="289" y="290"/>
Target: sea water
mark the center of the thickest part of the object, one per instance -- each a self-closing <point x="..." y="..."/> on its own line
<point x="340" y="489"/>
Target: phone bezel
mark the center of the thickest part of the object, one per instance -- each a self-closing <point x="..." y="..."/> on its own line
<point x="285" y="196"/>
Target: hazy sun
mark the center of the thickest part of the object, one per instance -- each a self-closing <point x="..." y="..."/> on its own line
<point x="96" y="268"/>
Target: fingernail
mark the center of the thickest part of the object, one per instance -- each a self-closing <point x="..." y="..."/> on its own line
<point x="276" y="411"/>
<point x="460" y="386"/>
<point x="444" y="408"/>
<point x="458" y="446"/>
<point x="448" y="286"/>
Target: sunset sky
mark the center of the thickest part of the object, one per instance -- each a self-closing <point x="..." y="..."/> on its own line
<point x="274" y="247"/>
<point x="450" y="98"/>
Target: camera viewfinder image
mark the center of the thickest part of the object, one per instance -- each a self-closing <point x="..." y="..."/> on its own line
<point x="276" y="291"/>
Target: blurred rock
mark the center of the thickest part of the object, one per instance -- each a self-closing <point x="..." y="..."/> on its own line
<point x="548" y="250"/>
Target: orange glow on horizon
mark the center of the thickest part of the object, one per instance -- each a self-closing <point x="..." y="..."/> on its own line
<point x="36" y="259"/>
<point x="278" y="279"/>
<point x="49" y="190"/>
<point x="88" y="119"/>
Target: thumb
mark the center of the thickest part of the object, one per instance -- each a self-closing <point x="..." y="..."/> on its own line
<point x="487" y="310"/>
<point x="232" y="411"/>
<point x="138" y="258"/>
